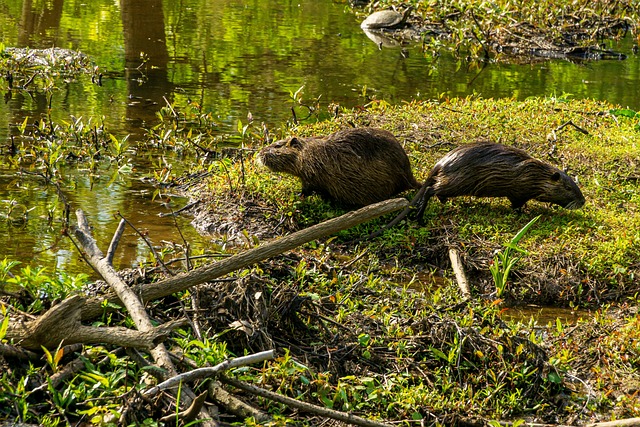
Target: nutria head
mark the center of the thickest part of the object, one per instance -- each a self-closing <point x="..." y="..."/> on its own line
<point x="283" y="155"/>
<point x="561" y="190"/>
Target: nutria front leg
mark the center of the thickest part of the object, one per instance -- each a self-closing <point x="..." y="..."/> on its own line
<point x="517" y="204"/>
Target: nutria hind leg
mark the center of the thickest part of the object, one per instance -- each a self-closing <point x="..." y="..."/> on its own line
<point x="422" y="200"/>
<point x="307" y="191"/>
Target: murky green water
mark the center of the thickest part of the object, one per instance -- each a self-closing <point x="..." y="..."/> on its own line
<point x="232" y="57"/>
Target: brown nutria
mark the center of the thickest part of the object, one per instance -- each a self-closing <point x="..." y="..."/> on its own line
<point x="488" y="169"/>
<point x="355" y="167"/>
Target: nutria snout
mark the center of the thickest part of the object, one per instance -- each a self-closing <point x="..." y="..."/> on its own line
<point x="355" y="167"/>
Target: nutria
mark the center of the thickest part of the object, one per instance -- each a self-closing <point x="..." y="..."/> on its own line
<point x="488" y="169"/>
<point x="355" y="167"/>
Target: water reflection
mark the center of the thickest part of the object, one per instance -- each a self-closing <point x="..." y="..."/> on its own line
<point x="41" y="21"/>
<point x="544" y="316"/>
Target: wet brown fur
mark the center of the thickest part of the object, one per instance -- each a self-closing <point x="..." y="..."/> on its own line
<point x="354" y="167"/>
<point x="488" y="169"/>
<point x="494" y="170"/>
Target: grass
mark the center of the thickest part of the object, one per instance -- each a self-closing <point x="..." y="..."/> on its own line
<point x="598" y="242"/>
<point x="380" y="329"/>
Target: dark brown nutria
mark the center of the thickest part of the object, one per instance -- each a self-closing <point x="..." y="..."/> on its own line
<point x="355" y="167"/>
<point x="494" y="170"/>
<point x="488" y="169"/>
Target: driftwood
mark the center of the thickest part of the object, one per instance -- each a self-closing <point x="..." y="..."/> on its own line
<point x="183" y="281"/>
<point x="136" y="310"/>
<point x="62" y="324"/>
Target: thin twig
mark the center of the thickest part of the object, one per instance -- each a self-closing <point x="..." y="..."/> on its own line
<point x="182" y="209"/>
<point x="565" y="124"/>
<point x="114" y="241"/>
<point x="149" y="244"/>
<point x="303" y="406"/>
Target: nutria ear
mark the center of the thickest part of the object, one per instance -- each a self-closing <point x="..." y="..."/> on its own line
<point x="295" y="143"/>
<point x="555" y="176"/>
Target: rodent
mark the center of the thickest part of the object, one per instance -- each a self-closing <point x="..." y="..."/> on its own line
<point x="354" y="167"/>
<point x="488" y="169"/>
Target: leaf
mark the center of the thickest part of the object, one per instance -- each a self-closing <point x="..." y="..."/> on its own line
<point x="439" y="353"/>
<point x="523" y="231"/>
<point x="58" y="356"/>
<point x="554" y="377"/>
<point x="47" y="354"/>
<point x="4" y="326"/>
<point x="623" y="112"/>
<point x="23" y="126"/>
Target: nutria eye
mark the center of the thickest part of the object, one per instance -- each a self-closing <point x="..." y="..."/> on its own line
<point x="555" y="176"/>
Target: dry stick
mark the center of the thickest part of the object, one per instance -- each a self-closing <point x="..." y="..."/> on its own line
<point x="209" y="371"/>
<point x="69" y="370"/>
<point x="629" y="422"/>
<point x="132" y="303"/>
<point x="458" y="269"/>
<point x="190" y="413"/>
<point x="183" y="281"/>
<point x="303" y="406"/>
<point x="114" y="241"/>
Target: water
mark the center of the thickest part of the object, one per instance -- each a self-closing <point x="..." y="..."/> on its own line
<point x="544" y="316"/>
<point x="232" y="57"/>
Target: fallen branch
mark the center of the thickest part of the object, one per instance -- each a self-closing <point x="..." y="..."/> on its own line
<point x="135" y="309"/>
<point x="303" y="406"/>
<point x="183" y="281"/>
<point x="210" y="371"/>
<point x="15" y="352"/>
<point x="458" y="269"/>
<point x="62" y="324"/>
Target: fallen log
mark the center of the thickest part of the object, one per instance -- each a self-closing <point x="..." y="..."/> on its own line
<point x="183" y="281"/>
<point x="136" y="310"/>
<point x="62" y="324"/>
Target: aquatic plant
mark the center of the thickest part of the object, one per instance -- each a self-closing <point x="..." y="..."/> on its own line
<point x="504" y="261"/>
